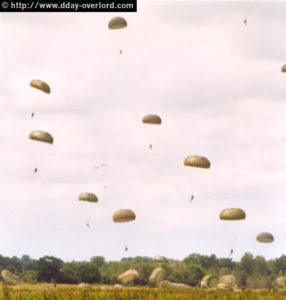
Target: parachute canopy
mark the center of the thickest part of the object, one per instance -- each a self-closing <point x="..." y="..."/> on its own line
<point x="124" y="215"/>
<point x="117" y="23"/>
<point x="279" y="285"/>
<point x="128" y="275"/>
<point x="160" y="258"/>
<point x="209" y="281"/>
<point x="166" y="284"/>
<point x="283" y="68"/>
<point x="90" y="197"/>
<point x="265" y="237"/>
<point x="156" y="276"/>
<point x="152" y="119"/>
<point x="9" y="278"/>
<point x="227" y="283"/>
<point x="41" y="136"/>
<point x="197" y="161"/>
<point x="41" y="85"/>
<point x="232" y="214"/>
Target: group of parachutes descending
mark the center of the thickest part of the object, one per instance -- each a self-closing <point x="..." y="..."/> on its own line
<point x="127" y="215"/>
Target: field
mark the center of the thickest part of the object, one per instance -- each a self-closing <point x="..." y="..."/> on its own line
<point x="70" y="292"/>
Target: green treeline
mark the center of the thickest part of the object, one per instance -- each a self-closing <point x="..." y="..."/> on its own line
<point x="251" y="272"/>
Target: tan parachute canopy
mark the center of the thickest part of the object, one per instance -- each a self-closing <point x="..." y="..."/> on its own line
<point x="209" y="281"/>
<point x="197" y="161"/>
<point x="152" y="119"/>
<point x="117" y="23"/>
<point x="90" y="197"/>
<point x="227" y="283"/>
<point x="156" y="276"/>
<point x="41" y="85"/>
<point x="279" y="285"/>
<point x="128" y="275"/>
<point x="10" y="278"/>
<point x="232" y="214"/>
<point x="283" y="68"/>
<point x="124" y="215"/>
<point x="166" y="284"/>
<point x="265" y="237"/>
<point x="41" y="136"/>
<point x="160" y="258"/>
<point x="84" y="286"/>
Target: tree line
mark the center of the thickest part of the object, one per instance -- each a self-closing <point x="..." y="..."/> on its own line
<point x="250" y="272"/>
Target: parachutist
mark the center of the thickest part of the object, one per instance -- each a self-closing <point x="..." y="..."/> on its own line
<point x="126" y="248"/>
<point x="245" y="22"/>
<point x="120" y="52"/>
<point x="35" y="170"/>
<point x="192" y="198"/>
<point x="150" y="146"/>
<point x="32" y="115"/>
<point x="87" y="224"/>
<point x="231" y="251"/>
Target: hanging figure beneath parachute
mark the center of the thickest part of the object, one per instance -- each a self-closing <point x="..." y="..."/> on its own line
<point x="35" y="170"/>
<point x="231" y="252"/>
<point x="150" y="146"/>
<point x="245" y="21"/>
<point x="192" y="198"/>
<point x="32" y="115"/>
<point x="87" y="224"/>
<point x="126" y="248"/>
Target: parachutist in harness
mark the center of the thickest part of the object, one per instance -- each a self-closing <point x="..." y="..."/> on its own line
<point x="126" y="248"/>
<point x="245" y="22"/>
<point x="35" y="170"/>
<point x="32" y="115"/>
<point x="192" y="198"/>
<point x="231" y="251"/>
<point x="120" y="52"/>
<point x="150" y="146"/>
<point x="87" y="224"/>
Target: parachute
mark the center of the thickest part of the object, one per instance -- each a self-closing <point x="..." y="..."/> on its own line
<point x="227" y="283"/>
<point x="41" y="85"/>
<point x="197" y="161"/>
<point x="128" y="275"/>
<point x="156" y="276"/>
<point x="152" y="119"/>
<point x="124" y="215"/>
<point x="90" y="197"/>
<point x="265" y="237"/>
<point x="232" y="214"/>
<point x="166" y="284"/>
<point x="209" y="281"/>
<point x="117" y="23"/>
<point x="283" y="68"/>
<point x="9" y="278"/>
<point x="84" y="286"/>
<point x="279" y="285"/>
<point x="160" y="258"/>
<point x="41" y="136"/>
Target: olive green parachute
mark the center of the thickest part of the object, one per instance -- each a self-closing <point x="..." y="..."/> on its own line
<point x="124" y="215"/>
<point x="232" y="214"/>
<point x="227" y="283"/>
<point x="156" y="276"/>
<point x="117" y="23"/>
<point x="9" y="278"/>
<point x="152" y="119"/>
<point x="209" y="281"/>
<point x="41" y="136"/>
<point x="41" y="85"/>
<point x="90" y="197"/>
<point x="160" y="258"/>
<point x="128" y="275"/>
<point x="265" y="237"/>
<point x="283" y="68"/>
<point x="166" y="284"/>
<point x="279" y="284"/>
<point x="197" y="161"/>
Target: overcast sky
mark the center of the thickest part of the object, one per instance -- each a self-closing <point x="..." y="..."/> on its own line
<point x="218" y="88"/>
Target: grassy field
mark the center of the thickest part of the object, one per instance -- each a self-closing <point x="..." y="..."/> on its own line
<point x="70" y="292"/>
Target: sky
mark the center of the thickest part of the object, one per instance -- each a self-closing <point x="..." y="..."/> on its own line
<point x="218" y="88"/>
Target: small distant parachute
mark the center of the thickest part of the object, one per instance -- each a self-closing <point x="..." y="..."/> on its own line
<point x="152" y="119"/>
<point x="117" y="23"/>
<point x="41" y="85"/>
<point x="41" y="136"/>
<point x="232" y="214"/>
<point x="265" y="237"/>
<point x="156" y="276"/>
<point x="124" y="215"/>
<point x="283" y="68"/>
<point x="209" y="281"/>
<point x="197" y="161"/>
<point x="160" y="258"/>
<point x="128" y="275"/>
<point x="90" y="197"/>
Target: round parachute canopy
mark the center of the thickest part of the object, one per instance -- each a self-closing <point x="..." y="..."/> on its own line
<point x="160" y="258"/>
<point x="166" y="284"/>
<point x="117" y="23"/>
<point x="279" y="285"/>
<point x="152" y="119"/>
<point x="90" y="197"/>
<point x="265" y="237"/>
<point x="209" y="281"/>
<point x="41" y="136"/>
<point x="9" y="278"/>
<point x="156" y="276"/>
<point x="128" y="275"/>
<point x="232" y="214"/>
<point x="123" y="215"/>
<point x="227" y="283"/>
<point x="197" y="161"/>
<point x="283" y="68"/>
<point x="41" y="85"/>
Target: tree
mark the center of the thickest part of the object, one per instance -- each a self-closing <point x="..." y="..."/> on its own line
<point x="49" y="268"/>
<point x="98" y="260"/>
